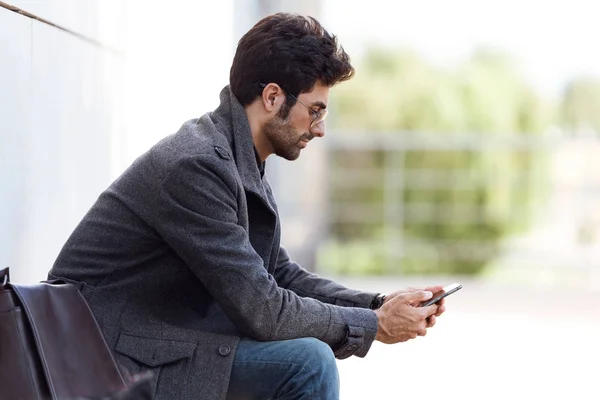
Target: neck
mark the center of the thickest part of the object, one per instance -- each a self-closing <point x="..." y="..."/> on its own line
<point x="261" y="143"/>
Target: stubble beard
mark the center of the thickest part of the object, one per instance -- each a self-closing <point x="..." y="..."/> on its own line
<point x="284" y="138"/>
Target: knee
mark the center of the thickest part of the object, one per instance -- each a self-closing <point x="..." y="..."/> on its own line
<point x="318" y="358"/>
<point x="315" y="374"/>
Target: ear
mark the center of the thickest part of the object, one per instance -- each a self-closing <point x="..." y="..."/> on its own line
<point x="272" y="97"/>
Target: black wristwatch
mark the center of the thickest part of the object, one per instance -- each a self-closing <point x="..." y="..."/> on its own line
<point x="377" y="301"/>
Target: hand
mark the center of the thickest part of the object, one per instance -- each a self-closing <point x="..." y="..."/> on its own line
<point x="401" y="319"/>
<point x="432" y="289"/>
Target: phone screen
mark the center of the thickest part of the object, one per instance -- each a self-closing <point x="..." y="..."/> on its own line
<point x="446" y="291"/>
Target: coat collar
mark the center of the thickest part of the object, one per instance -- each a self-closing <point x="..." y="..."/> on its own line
<point x="231" y="120"/>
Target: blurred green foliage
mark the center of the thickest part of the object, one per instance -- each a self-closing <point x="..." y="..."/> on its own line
<point x="400" y="91"/>
<point x="496" y="191"/>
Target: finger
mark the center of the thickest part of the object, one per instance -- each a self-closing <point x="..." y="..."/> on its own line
<point x="422" y="332"/>
<point x="431" y="321"/>
<point x="430" y="310"/>
<point x="440" y="310"/>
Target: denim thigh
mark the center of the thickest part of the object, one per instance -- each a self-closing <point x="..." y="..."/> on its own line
<point x="302" y="368"/>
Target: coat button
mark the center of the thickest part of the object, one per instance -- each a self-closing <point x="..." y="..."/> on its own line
<point x="224" y="350"/>
<point x="352" y="347"/>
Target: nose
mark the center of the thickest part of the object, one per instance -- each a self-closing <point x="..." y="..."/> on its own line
<point x="318" y="129"/>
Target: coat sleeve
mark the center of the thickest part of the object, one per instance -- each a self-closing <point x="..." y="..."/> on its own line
<point x="197" y="217"/>
<point x="292" y="276"/>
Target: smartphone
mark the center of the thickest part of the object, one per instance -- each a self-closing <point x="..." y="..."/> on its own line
<point x="446" y="291"/>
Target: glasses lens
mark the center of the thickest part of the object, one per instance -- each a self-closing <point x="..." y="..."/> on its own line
<point x="320" y="117"/>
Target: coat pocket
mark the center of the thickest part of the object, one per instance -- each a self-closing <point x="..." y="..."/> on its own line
<point x="168" y="360"/>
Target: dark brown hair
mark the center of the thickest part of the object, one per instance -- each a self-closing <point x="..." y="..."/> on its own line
<point x="288" y="49"/>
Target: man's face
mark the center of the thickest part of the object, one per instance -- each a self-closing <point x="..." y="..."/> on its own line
<point x="288" y="136"/>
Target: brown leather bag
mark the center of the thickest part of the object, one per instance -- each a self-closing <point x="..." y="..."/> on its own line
<point x="51" y="346"/>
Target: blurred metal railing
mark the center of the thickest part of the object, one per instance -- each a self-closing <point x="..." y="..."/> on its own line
<point x="370" y="197"/>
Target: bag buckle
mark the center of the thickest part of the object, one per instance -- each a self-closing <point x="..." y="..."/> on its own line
<point x="5" y="277"/>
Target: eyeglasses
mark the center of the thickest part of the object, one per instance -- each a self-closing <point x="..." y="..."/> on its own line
<point x="318" y="116"/>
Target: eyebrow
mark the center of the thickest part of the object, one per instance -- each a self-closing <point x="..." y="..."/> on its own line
<point x="319" y="104"/>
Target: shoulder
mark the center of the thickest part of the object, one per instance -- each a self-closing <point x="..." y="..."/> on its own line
<point x="197" y="141"/>
<point x="196" y="137"/>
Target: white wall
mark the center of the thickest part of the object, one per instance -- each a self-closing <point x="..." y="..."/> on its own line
<point x="178" y="60"/>
<point x="58" y="121"/>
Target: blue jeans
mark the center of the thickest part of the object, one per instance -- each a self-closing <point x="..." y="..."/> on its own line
<point x="290" y="369"/>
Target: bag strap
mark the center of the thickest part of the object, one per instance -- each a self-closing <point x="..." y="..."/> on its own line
<point x="75" y="358"/>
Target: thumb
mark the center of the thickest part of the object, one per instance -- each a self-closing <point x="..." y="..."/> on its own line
<point x="417" y="296"/>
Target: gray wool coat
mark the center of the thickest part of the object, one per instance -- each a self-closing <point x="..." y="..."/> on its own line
<point x="181" y="256"/>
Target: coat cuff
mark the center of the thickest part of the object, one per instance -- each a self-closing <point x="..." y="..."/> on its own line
<point x="359" y="333"/>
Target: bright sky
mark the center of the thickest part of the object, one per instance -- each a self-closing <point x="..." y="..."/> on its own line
<point x="551" y="40"/>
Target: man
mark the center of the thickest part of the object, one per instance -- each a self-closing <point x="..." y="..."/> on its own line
<point x="180" y="258"/>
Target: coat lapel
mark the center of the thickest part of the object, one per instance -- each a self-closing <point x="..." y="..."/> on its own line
<point x="232" y="121"/>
